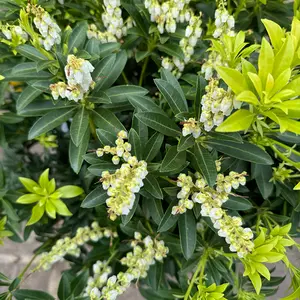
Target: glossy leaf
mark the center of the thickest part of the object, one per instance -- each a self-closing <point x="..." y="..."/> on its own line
<point x="95" y="198"/>
<point x="79" y="126"/>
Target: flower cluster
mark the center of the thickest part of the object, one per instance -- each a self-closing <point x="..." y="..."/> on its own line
<point x="78" y="73"/>
<point x="145" y="252"/>
<point x="192" y="33"/>
<point x="191" y="126"/>
<point x="101" y="272"/>
<point x="214" y="60"/>
<point x="14" y="32"/>
<point x="72" y="245"/>
<point x="122" y="185"/>
<point x="168" y="13"/>
<point x="224" y="23"/>
<point x="216" y="104"/>
<point x="112" y="19"/>
<point x="211" y="200"/>
<point x="47" y="27"/>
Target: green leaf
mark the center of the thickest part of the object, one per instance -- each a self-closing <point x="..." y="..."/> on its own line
<point x="103" y="68"/>
<point x="106" y="137"/>
<point x="111" y="74"/>
<point x="106" y="120"/>
<point x="76" y="153"/>
<point x="121" y="92"/>
<point x="27" y="96"/>
<point x="28" y="198"/>
<point x="64" y="288"/>
<point x="78" y="36"/>
<point x="200" y="90"/>
<point x="173" y="160"/>
<point x="79" y="126"/>
<point x="185" y="142"/>
<point x="23" y="294"/>
<point x="70" y="191"/>
<point x="262" y="175"/>
<point x="79" y="283"/>
<point x="204" y="163"/>
<point x="29" y="184"/>
<point x="169" y="77"/>
<point x="144" y="103"/>
<point x="152" y="187"/>
<point x="49" y="121"/>
<point x="187" y="233"/>
<point x="284" y="58"/>
<point x="245" y="151"/>
<point x="9" y="210"/>
<point x="61" y="208"/>
<point x="108" y="48"/>
<point x="248" y="97"/>
<point x="135" y="142"/>
<point x="36" y="214"/>
<point x="152" y="148"/>
<point x="44" y="179"/>
<point x="168" y="220"/>
<point x="155" y="209"/>
<point x="265" y="61"/>
<point x="233" y="78"/>
<point x="256" y="281"/>
<point x="31" y="53"/>
<point x="95" y="198"/>
<point x="239" y="120"/>
<point x="10" y="118"/>
<point x="172" y="50"/>
<point x="237" y="203"/>
<point x="276" y="33"/>
<point x="98" y="168"/>
<point x="174" y="99"/>
<point x="159" y="122"/>
<point x="2" y="177"/>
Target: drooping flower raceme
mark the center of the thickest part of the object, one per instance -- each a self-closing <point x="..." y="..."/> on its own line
<point x="122" y="185"/>
<point x="211" y="200"/>
<point x="46" y="195"/>
<point x="71" y="246"/>
<point x="191" y="126"/>
<point x="112" y="19"/>
<point x="168" y="13"/>
<point x="47" y="27"/>
<point x="224" y="23"/>
<point x="79" y="80"/>
<point x="193" y="32"/>
<point x="145" y="253"/>
<point x="216" y="104"/>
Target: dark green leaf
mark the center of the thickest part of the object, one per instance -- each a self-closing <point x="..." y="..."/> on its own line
<point x="245" y="151"/>
<point x="64" y="288"/>
<point x="172" y="50"/>
<point x="168" y="220"/>
<point x="78" y="36"/>
<point x="152" y="187"/>
<point x="76" y="153"/>
<point x="121" y="92"/>
<point x="169" y="77"/>
<point x="102" y="69"/>
<point x="187" y="233"/>
<point x="98" y="168"/>
<point x="49" y="121"/>
<point x="79" y="126"/>
<point x="155" y="209"/>
<point x="186" y="142"/>
<point x="152" y="148"/>
<point x="95" y="198"/>
<point x="174" y="99"/>
<point x="135" y="142"/>
<point x="108" y="48"/>
<point x="31" y="53"/>
<point x="262" y="176"/>
<point x="10" y="118"/>
<point x="204" y="163"/>
<point x="173" y="160"/>
<point x="144" y="103"/>
<point x="200" y="90"/>
<point x="79" y="283"/>
<point x="237" y="203"/>
<point x="159" y="122"/>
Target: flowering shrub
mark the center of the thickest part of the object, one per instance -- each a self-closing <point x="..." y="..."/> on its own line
<point x="170" y="131"/>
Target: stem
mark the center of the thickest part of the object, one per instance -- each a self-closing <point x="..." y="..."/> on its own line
<point x="27" y="266"/>
<point x="93" y="129"/>
<point x="125" y="77"/>
<point x="169" y="180"/>
<point x="143" y="71"/>
<point x="200" y="267"/>
<point x="149" y="226"/>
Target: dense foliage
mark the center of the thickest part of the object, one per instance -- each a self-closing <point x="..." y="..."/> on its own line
<point x="154" y="142"/>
